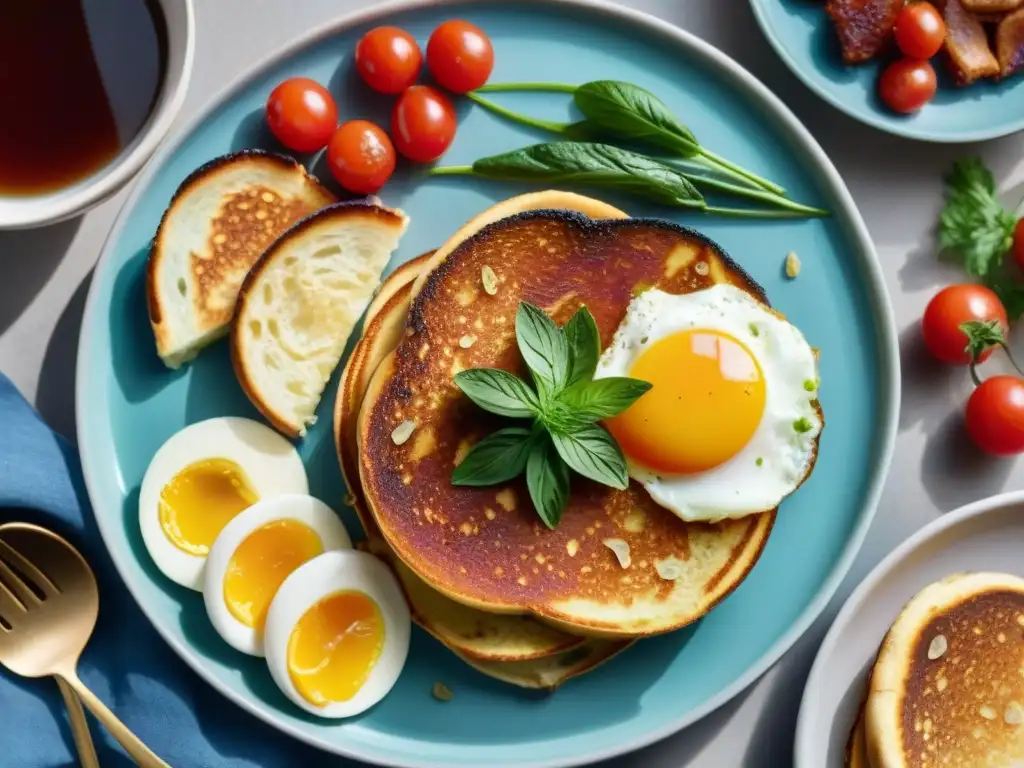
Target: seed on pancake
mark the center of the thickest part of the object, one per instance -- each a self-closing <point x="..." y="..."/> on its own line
<point x="490" y="280"/>
<point x="669" y="569"/>
<point x="572" y="547"/>
<point x="987" y="712"/>
<point x="1013" y="714"/>
<point x="940" y="684"/>
<point x="937" y="648"/>
<point x="403" y="432"/>
<point x="701" y="268"/>
<point x="792" y="265"/>
<point x="467" y="341"/>
<point x="442" y="692"/>
<point x="621" y="550"/>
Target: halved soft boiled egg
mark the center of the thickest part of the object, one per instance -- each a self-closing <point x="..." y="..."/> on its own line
<point x="253" y="555"/>
<point x="200" y="479"/>
<point x="730" y="425"/>
<point x="337" y="633"/>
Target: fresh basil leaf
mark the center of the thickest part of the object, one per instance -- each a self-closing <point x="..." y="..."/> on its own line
<point x="584" y="346"/>
<point x="593" y="453"/>
<point x="547" y="478"/>
<point x="496" y="459"/>
<point x="599" y="165"/>
<point x="603" y="398"/>
<point x="542" y="344"/>
<point x="499" y="392"/>
<point x="627" y="111"/>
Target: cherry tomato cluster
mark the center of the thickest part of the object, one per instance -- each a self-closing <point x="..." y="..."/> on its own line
<point x="909" y="83"/>
<point x="303" y="115"/>
<point x="962" y="325"/>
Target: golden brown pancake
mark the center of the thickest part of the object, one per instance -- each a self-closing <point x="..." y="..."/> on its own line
<point x="550" y="672"/>
<point x="486" y="547"/>
<point x="948" y="686"/>
<point x="857" y="746"/>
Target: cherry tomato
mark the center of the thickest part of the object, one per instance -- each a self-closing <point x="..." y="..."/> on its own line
<point x="361" y="156"/>
<point x="920" y="30"/>
<point x="995" y="415"/>
<point x="388" y="59"/>
<point x="460" y="56"/>
<point x="423" y="123"/>
<point x="907" y="85"/>
<point x="1018" y="243"/>
<point x="950" y="308"/>
<point x="302" y="114"/>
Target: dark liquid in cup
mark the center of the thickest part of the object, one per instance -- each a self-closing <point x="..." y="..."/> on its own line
<point x="57" y="124"/>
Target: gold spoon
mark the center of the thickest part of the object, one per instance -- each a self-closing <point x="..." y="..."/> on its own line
<point x="45" y="632"/>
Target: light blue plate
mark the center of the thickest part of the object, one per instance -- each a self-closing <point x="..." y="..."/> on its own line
<point x="128" y="403"/>
<point x="802" y="34"/>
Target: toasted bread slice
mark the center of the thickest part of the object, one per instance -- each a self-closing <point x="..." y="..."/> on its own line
<point x="299" y="304"/>
<point x="221" y="218"/>
<point x="987" y="7"/>
<point x="1010" y="43"/>
<point x="948" y="685"/>
<point x="864" y="27"/>
<point x="967" y="48"/>
<point x="484" y="546"/>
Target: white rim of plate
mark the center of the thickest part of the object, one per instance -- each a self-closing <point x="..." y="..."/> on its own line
<point x="882" y="308"/>
<point x="905" y="131"/>
<point x="802" y="757"/>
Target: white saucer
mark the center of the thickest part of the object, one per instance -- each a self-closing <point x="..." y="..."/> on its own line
<point x="986" y="535"/>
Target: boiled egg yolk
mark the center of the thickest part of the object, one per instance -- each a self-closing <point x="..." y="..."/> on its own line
<point x="261" y="563"/>
<point x="334" y="647"/>
<point x="706" y="401"/>
<point x="200" y="500"/>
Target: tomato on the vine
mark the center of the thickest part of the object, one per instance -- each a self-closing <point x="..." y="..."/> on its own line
<point x="948" y="310"/>
<point x="907" y="85"/>
<point x="920" y="31"/>
<point x="302" y="114"/>
<point x="995" y="415"/>
<point x="361" y="157"/>
<point x="1018" y="243"/>
<point x="423" y="123"/>
<point x="460" y="56"/>
<point x="388" y="59"/>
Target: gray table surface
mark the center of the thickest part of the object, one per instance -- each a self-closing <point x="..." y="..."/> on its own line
<point x="46" y="276"/>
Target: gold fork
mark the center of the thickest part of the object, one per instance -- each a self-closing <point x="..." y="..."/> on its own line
<point x="44" y="632"/>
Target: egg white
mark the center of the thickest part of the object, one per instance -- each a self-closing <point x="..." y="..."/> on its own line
<point x="271" y="463"/>
<point x="331" y="572"/>
<point x="742" y="485"/>
<point x="304" y="509"/>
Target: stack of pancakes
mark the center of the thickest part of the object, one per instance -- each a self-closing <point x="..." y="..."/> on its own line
<point x="947" y="688"/>
<point x="517" y="601"/>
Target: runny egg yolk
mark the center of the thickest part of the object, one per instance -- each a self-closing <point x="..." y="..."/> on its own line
<point x="200" y="500"/>
<point x="261" y="563"/>
<point x="706" y="401"/>
<point x="334" y="647"/>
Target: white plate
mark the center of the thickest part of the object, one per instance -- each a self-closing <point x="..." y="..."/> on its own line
<point x="986" y="535"/>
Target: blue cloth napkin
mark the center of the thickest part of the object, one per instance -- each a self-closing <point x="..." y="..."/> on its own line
<point x="180" y="717"/>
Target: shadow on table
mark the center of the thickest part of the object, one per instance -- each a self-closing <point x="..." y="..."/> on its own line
<point x="28" y="258"/>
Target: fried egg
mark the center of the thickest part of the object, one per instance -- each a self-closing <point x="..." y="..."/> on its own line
<point x="200" y="479"/>
<point x="255" y="553"/>
<point x="730" y="425"/>
<point x="337" y="634"/>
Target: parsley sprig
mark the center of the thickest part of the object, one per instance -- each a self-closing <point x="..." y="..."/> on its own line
<point x="977" y="230"/>
<point x="564" y="404"/>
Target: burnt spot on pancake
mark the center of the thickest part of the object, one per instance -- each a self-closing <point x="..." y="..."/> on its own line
<point x="486" y="546"/>
<point x="964" y="693"/>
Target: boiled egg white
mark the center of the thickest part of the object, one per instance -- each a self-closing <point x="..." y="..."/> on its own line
<point x="255" y="553"/>
<point x="200" y="479"/>
<point x="730" y="425"/>
<point x="337" y="634"/>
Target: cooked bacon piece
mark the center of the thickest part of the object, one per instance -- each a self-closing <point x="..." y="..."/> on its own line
<point x="992" y="6"/>
<point x="1010" y="43"/>
<point x="969" y="55"/>
<point x="864" y="26"/>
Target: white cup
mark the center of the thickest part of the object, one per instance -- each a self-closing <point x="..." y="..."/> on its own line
<point x="145" y="95"/>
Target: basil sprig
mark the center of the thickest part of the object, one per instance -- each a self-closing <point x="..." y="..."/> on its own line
<point x="564" y="404"/>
